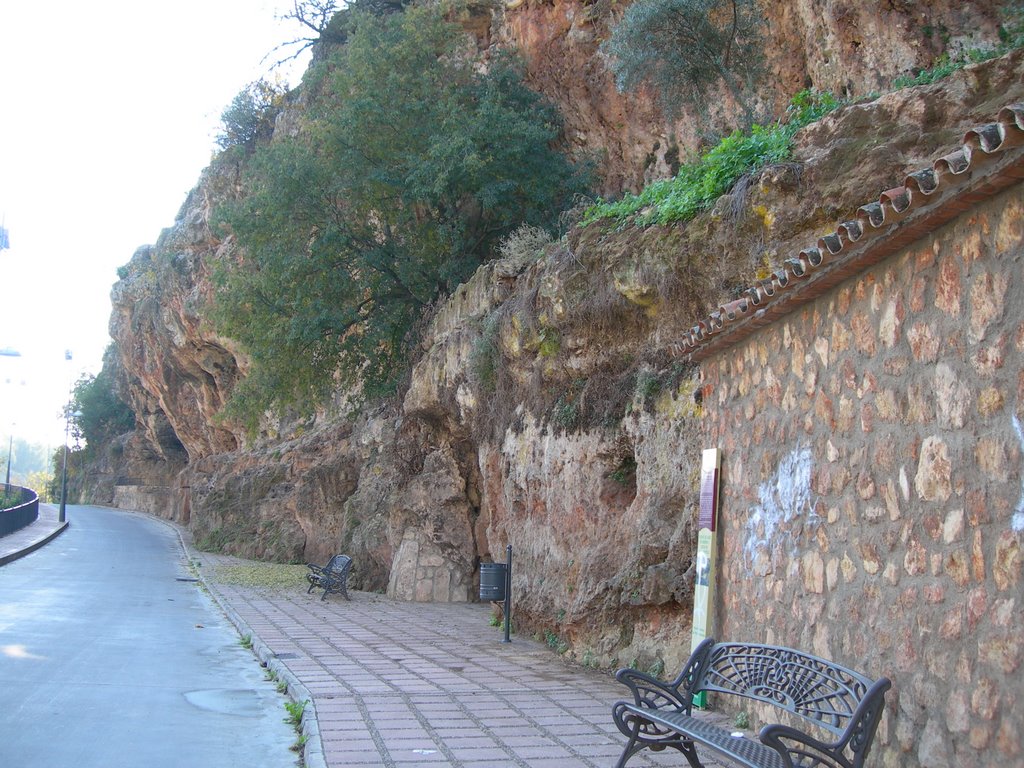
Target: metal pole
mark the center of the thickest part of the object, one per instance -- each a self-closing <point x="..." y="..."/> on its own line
<point x="10" y="448"/>
<point x="62" y="517"/>
<point x="508" y="592"/>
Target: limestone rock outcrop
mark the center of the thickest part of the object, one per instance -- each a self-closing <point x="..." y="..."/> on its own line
<point x="850" y="49"/>
<point x="181" y="371"/>
<point x="544" y="409"/>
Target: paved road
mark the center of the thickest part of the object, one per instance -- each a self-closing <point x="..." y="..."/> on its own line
<point x="111" y="656"/>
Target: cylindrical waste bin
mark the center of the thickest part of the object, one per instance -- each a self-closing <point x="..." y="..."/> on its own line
<point x="492" y="582"/>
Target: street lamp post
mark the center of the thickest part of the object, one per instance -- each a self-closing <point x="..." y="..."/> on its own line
<point x="10" y="448"/>
<point x="62" y="517"/>
<point x="8" y="352"/>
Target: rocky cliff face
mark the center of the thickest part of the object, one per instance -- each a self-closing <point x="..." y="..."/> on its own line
<point x="181" y="371"/>
<point x="545" y="410"/>
<point x="848" y="48"/>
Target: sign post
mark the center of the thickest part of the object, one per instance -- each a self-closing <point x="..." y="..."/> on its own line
<point x="704" y="590"/>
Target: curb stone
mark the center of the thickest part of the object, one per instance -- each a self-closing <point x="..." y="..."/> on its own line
<point x="11" y="557"/>
<point x="313" y="751"/>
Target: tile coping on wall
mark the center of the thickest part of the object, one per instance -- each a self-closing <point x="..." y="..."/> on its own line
<point x="990" y="159"/>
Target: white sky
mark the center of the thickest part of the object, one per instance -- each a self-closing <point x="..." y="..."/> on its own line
<point x="108" y="112"/>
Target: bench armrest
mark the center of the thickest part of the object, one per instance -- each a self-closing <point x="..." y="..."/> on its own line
<point x="855" y="741"/>
<point x="651" y="692"/>
<point x="850" y="748"/>
<point x="795" y="747"/>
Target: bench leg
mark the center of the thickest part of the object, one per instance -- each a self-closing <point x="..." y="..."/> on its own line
<point x="684" y="746"/>
<point x="632" y="747"/>
<point x="689" y="750"/>
<point x="330" y="587"/>
<point x="633" y="727"/>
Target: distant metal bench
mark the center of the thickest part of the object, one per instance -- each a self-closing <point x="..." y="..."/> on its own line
<point x="841" y="702"/>
<point x="332" y="577"/>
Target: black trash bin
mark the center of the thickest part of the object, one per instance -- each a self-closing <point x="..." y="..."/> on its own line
<point x="492" y="582"/>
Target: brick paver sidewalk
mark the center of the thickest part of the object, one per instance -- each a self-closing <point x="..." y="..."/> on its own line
<point x="426" y="684"/>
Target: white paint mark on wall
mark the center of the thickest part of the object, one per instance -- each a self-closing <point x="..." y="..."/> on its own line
<point x="781" y="499"/>
<point x="1017" y="521"/>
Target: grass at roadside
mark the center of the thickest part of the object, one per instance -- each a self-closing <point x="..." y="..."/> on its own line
<point x="266" y="575"/>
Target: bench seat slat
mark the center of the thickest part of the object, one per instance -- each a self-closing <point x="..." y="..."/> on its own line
<point x="748" y="753"/>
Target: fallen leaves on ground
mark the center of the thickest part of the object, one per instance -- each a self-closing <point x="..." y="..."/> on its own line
<point x="270" y="575"/>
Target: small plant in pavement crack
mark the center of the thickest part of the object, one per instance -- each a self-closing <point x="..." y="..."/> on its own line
<point x="295" y="710"/>
<point x="246" y="642"/>
<point x="294" y="719"/>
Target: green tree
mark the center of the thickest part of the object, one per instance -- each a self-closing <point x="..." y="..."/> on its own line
<point x="101" y="413"/>
<point x="76" y="467"/>
<point x="251" y="114"/>
<point x="683" y="48"/>
<point x="26" y="457"/>
<point x="415" y="166"/>
<point x="39" y="481"/>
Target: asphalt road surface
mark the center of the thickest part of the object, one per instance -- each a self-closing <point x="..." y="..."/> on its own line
<point x="111" y="655"/>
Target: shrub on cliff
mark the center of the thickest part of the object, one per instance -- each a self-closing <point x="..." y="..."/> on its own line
<point x="1011" y="37"/>
<point x="251" y="114"/>
<point x="682" y="49"/>
<point x="700" y="183"/>
<point x="97" y="411"/>
<point x="414" y="166"/>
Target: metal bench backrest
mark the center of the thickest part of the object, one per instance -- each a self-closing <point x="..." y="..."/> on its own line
<point x="814" y="689"/>
<point x="338" y="564"/>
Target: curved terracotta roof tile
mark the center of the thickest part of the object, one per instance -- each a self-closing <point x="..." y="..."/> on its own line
<point x="983" y="166"/>
<point x="924" y="181"/>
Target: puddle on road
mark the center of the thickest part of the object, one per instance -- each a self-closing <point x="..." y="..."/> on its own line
<point x="241" y="702"/>
<point x="18" y="652"/>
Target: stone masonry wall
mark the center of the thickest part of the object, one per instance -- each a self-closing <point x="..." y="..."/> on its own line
<point x="872" y="500"/>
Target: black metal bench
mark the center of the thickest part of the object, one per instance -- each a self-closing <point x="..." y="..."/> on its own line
<point x="332" y="577"/>
<point x="843" y="703"/>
